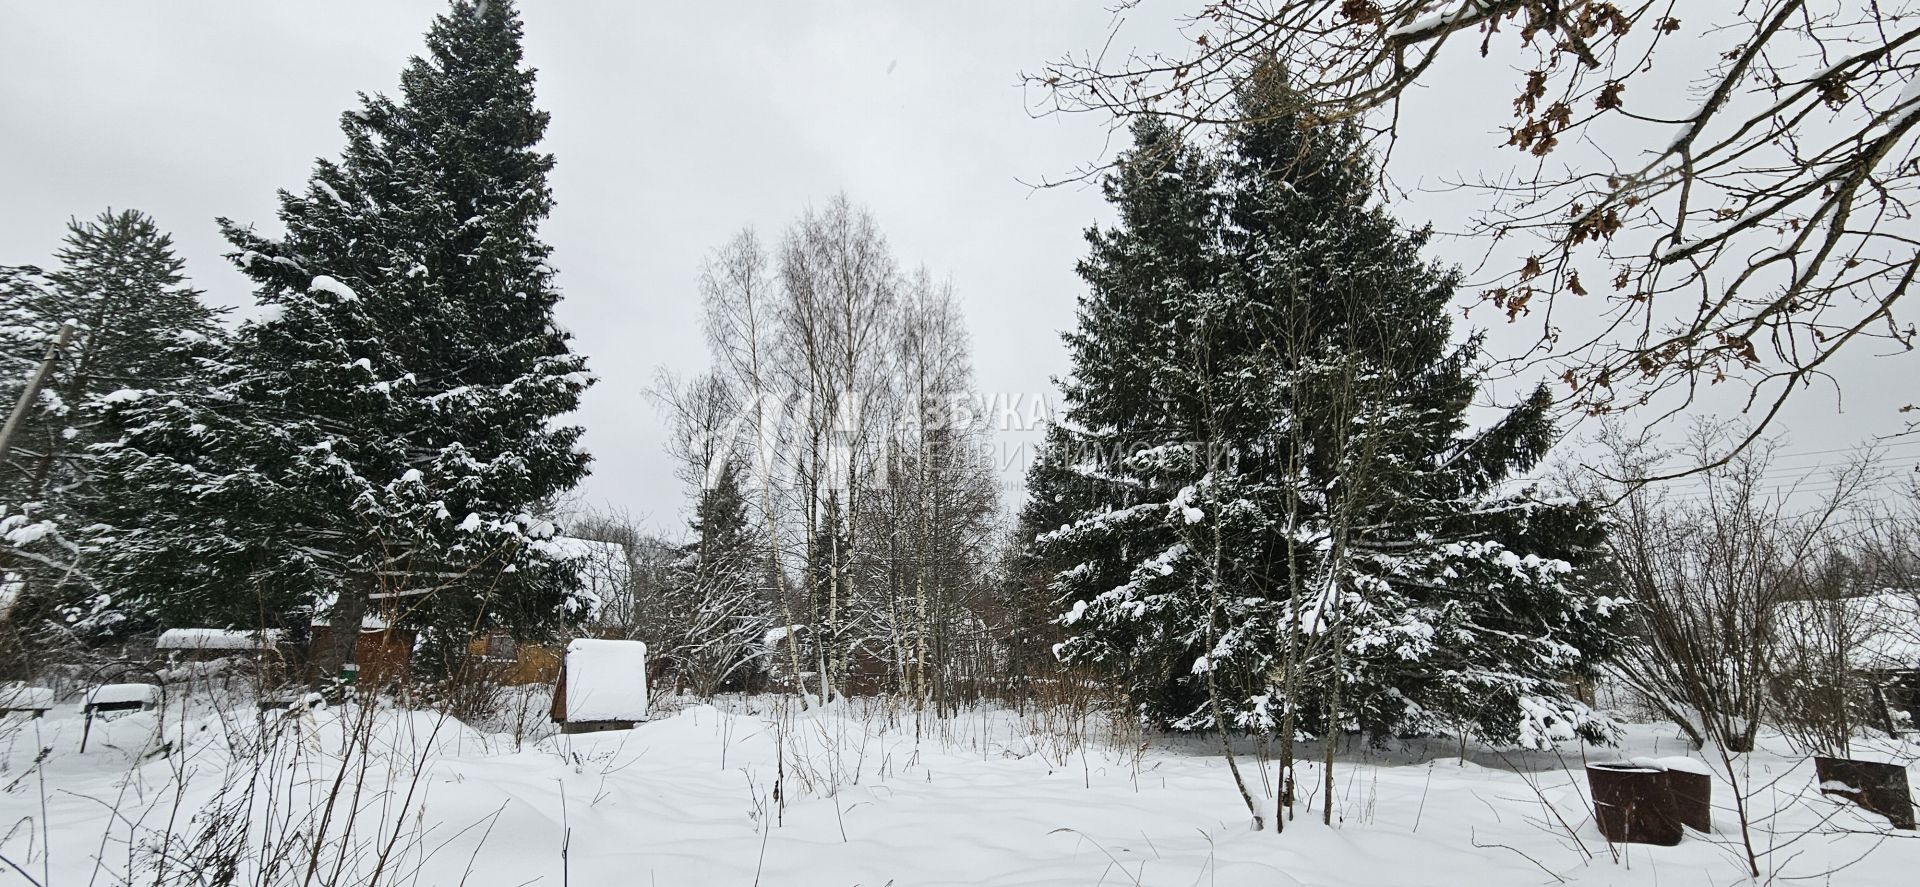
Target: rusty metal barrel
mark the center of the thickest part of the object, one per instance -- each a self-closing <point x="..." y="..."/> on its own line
<point x="1692" y="798"/>
<point x="1648" y="802"/>
<point x="1874" y="786"/>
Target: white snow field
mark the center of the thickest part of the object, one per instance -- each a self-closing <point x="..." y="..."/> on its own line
<point x="868" y="794"/>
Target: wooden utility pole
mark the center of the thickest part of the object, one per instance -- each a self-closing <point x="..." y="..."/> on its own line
<point x="34" y="383"/>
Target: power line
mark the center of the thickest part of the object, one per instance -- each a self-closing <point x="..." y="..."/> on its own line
<point x="1877" y="450"/>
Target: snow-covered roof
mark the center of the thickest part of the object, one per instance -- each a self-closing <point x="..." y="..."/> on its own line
<point x="606" y="680"/>
<point x="20" y="697"/>
<point x="119" y="694"/>
<point x="574" y="546"/>
<point x="368" y="622"/>
<point x="217" y="639"/>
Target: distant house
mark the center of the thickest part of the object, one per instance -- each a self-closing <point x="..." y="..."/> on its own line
<point x="1889" y="649"/>
<point x="604" y="574"/>
<point x="384" y="652"/>
<point x="514" y="662"/>
<point x="1891" y="632"/>
<point x="867" y="671"/>
<point x="1879" y="631"/>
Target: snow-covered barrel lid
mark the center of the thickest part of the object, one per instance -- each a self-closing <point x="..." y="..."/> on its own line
<point x="1622" y="767"/>
<point x="122" y="694"/>
<point x="1678" y="764"/>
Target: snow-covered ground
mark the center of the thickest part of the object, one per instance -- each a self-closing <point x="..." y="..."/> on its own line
<point x="760" y="791"/>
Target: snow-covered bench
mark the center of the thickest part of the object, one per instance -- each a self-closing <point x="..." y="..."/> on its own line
<point x="121" y="697"/>
<point x="22" y="699"/>
<point x="116" y="697"/>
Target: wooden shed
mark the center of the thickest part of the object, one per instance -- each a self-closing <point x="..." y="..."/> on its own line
<point x="383" y="652"/>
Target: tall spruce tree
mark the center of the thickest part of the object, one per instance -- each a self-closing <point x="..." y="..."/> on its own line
<point x="386" y="431"/>
<point x="118" y="277"/>
<point x="1265" y="508"/>
<point x="718" y="601"/>
<point x="723" y="537"/>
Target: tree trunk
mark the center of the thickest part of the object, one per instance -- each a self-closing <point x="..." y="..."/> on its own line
<point x="1283" y="804"/>
<point x="1332" y="730"/>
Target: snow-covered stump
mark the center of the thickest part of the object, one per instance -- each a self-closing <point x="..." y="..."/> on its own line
<point x="1651" y="800"/>
<point x="602" y="686"/>
<point x="1872" y="785"/>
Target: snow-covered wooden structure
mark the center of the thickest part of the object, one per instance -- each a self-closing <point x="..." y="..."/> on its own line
<point x="383" y="652"/>
<point x="514" y="662"/>
<point x="18" y="698"/>
<point x="214" y="643"/>
<point x="602" y="686"/>
<point x="122" y="697"/>
<point x="108" y="698"/>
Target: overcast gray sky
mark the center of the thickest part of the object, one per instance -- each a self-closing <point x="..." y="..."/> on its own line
<point x="674" y="126"/>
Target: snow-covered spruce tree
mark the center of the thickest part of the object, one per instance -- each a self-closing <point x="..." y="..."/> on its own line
<point x="1100" y="521"/>
<point x="1280" y="518"/>
<point x="1054" y="497"/>
<point x="387" y="428"/>
<point x="719" y="599"/>
<point x="119" y="278"/>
